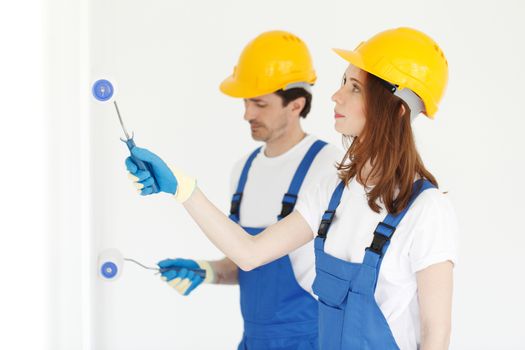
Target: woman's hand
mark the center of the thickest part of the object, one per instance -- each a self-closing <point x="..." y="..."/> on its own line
<point x="168" y="180"/>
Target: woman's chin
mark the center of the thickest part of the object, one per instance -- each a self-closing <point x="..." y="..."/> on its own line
<point x="340" y="129"/>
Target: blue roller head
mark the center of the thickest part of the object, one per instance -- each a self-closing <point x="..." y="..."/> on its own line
<point x="102" y="90"/>
<point x="109" y="270"/>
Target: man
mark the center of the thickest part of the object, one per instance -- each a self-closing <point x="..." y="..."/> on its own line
<point x="273" y="77"/>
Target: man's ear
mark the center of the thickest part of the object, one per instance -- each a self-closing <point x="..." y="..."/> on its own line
<point x="297" y="105"/>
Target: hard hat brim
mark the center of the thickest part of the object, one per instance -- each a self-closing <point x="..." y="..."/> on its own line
<point x="356" y="59"/>
<point x="351" y="57"/>
<point x="233" y="88"/>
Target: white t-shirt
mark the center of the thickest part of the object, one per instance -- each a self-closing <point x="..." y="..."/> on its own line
<point x="268" y="181"/>
<point x="427" y="235"/>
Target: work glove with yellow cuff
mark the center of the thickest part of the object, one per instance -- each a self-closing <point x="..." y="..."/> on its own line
<point x="169" y="180"/>
<point x="184" y="275"/>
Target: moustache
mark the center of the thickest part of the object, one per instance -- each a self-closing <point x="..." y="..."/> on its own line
<point x="256" y="124"/>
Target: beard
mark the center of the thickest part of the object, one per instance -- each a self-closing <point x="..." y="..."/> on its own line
<point x="259" y="132"/>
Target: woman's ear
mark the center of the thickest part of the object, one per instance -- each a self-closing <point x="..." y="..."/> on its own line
<point x="402" y="110"/>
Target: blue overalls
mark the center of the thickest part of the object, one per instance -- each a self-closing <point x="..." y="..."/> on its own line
<point x="349" y="317"/>
<point x="277" y="312"/>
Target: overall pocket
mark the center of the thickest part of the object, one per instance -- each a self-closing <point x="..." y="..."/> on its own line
<point x="332" y="292"/>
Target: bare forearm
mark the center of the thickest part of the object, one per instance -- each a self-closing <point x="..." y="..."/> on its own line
<point x="247" y="251"/>
<point x="435" y="303"/>
<point x="226" y="272"/>
<point x="437" y="338"/>
<point x="226" y="235"/>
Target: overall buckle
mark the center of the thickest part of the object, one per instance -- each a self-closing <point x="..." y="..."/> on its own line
<point x="326" y="221"/>
<point x="380" y="239"/>
<point x="235" y="204"/>
<point x="287" y="207"/>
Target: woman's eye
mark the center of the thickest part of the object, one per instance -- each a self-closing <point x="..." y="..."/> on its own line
<point x="261" y="106"/>
<point x="343" y="81"/>
<point x="356" y="88"/>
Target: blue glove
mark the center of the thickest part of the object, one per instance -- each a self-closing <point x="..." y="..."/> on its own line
<point x="161" y="173"/>
<point x="180" y="274"/>
<point x="169" y="180"/>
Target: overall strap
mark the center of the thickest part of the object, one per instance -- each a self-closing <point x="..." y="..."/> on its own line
<point x="290" y="197"/>
<point x="237" y="196"/>
<point x="329" y="214"/>
<point x="385" y="229"/>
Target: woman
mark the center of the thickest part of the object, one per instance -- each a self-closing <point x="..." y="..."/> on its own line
<point x="376" y="289"/>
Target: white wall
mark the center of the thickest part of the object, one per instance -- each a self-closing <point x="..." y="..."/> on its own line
<point x="167" y="59"/>
<point x="24" y="258"/>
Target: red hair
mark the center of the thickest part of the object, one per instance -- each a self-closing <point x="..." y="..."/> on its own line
<point x="387" y="143"/>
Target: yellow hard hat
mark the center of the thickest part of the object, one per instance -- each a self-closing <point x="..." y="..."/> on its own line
<point x="407" y="58"/>
<point x="272" y="61"/>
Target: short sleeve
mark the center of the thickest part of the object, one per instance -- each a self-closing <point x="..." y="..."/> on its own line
<point x="436" y="233"/>
<point x="308" y="206"/>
